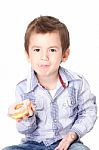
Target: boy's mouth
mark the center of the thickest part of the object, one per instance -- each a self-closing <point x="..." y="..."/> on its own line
<point x="43" y="66"/>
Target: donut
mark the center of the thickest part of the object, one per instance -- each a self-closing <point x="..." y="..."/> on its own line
<point x="17" y="111"/>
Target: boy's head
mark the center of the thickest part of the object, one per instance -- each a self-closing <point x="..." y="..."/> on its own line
<point x="47" y="24"/>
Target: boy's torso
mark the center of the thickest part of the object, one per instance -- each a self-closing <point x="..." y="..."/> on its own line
<point x="55" y="115"/>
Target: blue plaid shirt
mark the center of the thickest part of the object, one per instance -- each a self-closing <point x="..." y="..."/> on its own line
<point x="73" y="108"/>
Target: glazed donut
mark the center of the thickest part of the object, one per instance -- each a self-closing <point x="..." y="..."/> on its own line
<point x="18" y="110"/>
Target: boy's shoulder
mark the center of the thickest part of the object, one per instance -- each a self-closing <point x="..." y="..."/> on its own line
<point x="77" y="80"/>
<point x="24" y="79"/>
<point x="21" y="85"/>
<point x="22" y="82"/>
<point x="71" y="75"/>
<point x="28" y="82"/>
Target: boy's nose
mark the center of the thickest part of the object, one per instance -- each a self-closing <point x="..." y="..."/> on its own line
<point x="44" y="56"/>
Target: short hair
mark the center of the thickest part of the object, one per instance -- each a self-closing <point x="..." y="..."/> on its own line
<point x="47" y="24"/>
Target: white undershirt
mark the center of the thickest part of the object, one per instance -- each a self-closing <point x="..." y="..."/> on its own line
<point x="53" y="91"/>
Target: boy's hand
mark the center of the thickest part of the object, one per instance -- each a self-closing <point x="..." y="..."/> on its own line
<point x="66" y="141"/>
<point x="21" y="110"/>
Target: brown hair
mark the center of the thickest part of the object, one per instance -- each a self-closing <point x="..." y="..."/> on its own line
<point x="45" y="24"/>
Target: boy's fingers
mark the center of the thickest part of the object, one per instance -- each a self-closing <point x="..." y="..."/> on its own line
<point x="21" y="110"/>
<point x="33" y="107"/>
<point x="30" y="111"/>
<point x="63" y="145"/>
<point x="18" y="120"/>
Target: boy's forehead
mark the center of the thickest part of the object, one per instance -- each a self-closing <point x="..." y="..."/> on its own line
<point x="47" y="35"/>
<point x="45" y="38"/>
<point x="41" y="33"/>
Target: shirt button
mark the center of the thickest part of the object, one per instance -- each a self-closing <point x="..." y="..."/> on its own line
<point x="64" y="104"/>
<point x="73" y="102"/>
<point x="55" y="120"/>
<point x="56" y="133"/>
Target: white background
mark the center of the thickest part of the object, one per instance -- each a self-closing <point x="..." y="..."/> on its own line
<point x="82" y="20"/>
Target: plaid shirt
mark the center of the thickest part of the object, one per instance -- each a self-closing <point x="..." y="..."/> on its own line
<point x="73" y="108"/>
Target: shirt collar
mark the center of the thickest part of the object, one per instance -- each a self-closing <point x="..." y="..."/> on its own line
<point x="32" y="81"/>
<point x="64" y="75"/>
<point x="67" y="76"/>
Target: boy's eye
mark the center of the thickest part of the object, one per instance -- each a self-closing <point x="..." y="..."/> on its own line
<point x="52" y="50"/>
<point x="37" y="49"/>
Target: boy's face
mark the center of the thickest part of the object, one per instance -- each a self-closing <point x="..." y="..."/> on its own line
<point x="45" y="53"/>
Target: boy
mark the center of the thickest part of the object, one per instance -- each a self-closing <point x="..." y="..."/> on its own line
<point x="55" y="106"/>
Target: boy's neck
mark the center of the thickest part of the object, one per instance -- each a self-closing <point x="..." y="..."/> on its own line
<point x="49" y="82"/>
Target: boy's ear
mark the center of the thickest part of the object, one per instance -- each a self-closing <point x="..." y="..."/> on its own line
<point x="65" y="55"/>
<point x="27" y="56"/>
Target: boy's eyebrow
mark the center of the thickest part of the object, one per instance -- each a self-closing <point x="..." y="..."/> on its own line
<point x="53" y="46"/>
<point x="37" y="46"/>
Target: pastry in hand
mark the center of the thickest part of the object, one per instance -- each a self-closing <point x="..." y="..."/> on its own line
<point x="21" y="109"/>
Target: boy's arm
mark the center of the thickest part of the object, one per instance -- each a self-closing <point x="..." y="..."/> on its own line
<point x="86" y="117"/>
<point x="87" y="110"/>
<point x="67" y="141"/>
<point x="28" y="125"/>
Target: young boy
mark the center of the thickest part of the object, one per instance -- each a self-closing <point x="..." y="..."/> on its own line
<point x="55" y="106"/>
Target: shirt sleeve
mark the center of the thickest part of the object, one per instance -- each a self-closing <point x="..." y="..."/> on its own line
<point x="25" y="126"/>
<point x="87" y="110"/>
